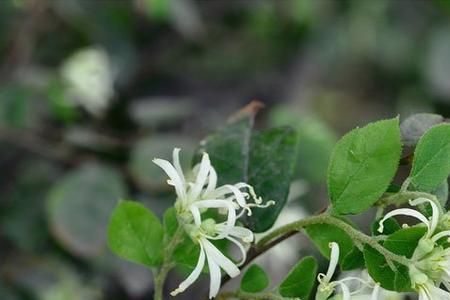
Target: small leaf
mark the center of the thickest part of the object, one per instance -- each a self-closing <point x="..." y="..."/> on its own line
<point x="135" y="234"/>
<point x="300" y="280"/>
<point x="254" y="280"/>
<point x="431" y="165"/>
<point x="402" y="242"/>
<point x="362" y="166"/>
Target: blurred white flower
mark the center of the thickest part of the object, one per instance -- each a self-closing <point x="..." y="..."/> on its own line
<point x="89" y="78"/>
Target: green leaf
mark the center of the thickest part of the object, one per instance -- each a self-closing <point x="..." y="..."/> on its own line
<point x="323" y="234"/>
<point x="265" y="160"/>
<point x="136" y="234"/>
<point x="353" y="260"/>
<point x="431" y="165"/>
<point x="300" y="280"/>
<point x="254" y="280"/>
<point x="362" y="166"/>
<point x="79" y="206"/>
<point x="402" y="242"/>
<point x="390" y="226"/>
<point x="271" y="165"/>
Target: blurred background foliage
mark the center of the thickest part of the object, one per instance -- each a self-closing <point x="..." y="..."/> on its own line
<point x="91" y="91"/>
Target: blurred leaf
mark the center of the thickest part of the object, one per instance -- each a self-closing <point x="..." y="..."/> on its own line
<point x="7" y="293"/>
<point x="88" y="138"/>
<point x="16" y="106"/>
<point x="160" y="111"/>
<point x="50" y="279"/>
<point x="300" y="280"/>
<point x="157" y="9"/>
<point x="254" y="280"/>
<point x="413" y="127"/>
<point x="316" y="141"/>
<point x="136" y="234"/>
<point x="402" y="242"/>
<point x="362" y="165"/>
<point x="431" y="165"/>
<point x="136" y="279"/>
<point x="146" y="173"/>
<point x="437" y="66"/>
<point x="25" y="209"/>
<point x="60" y="107"/>
<point x="79" y="206"/>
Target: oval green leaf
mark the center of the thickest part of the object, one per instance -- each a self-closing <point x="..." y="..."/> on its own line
<point x="402" y="242"/>
<point x="254" y="280"/>
<point x="136" y="234"/>
<point x="300" y="280"/>
<point x="431" y="165"/>
<point x="362" y="166"/>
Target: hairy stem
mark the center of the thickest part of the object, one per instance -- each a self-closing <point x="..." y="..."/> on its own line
<point x="250" y="296"/>
<point x="325" y="218"/>
<point x="167" y="264"/>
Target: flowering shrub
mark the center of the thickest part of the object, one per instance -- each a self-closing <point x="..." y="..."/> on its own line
<point x="240" y="184"/>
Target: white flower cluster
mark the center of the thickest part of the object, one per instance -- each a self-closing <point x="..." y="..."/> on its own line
<point x="198" y="192"/>
<point x="430" y="266"/>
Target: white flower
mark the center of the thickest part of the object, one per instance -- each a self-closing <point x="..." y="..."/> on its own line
<point x="327" y="287"/>
<point x="426" y="244"/>
<point x="195" y="197"/>
<point x="431" y="266"/>
<point x="425" y="287"/>
<point x="204" y="187"/>
<point x="201" y="233"/>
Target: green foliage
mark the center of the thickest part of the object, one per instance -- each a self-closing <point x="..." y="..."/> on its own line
<point x="300" y="280"/>
<point x="79" y="206"/>
<point x="402" y="242"/>
<point x="362" y="166"/>
<point x="264" y="160"/>
<point x="431" y="165"/>
<point x="254" y="280"/>
<point x="323" y="234"/>
<point x="136" y="234"/>
<point x="316" y="141"/>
